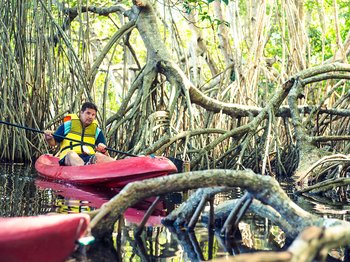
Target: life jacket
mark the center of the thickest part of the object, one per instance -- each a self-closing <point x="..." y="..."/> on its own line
<point x="74" y="129"/>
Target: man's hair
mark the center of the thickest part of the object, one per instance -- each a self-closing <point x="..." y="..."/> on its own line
<point x="88" y="105"/>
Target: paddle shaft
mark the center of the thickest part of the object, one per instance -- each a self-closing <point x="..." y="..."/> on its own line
<point x="71" y="139"/>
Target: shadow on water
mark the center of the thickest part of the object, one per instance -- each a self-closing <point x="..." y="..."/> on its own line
<point x="23" y="193"/>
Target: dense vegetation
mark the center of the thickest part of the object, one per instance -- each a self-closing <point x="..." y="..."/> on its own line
<point x="223" y="84"/>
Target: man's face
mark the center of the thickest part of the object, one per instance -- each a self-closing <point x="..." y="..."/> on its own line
<point x="87" y="116"/>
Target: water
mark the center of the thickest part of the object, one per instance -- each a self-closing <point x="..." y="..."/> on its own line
<point x="19" y="196"/>
<point x="23" y="193"/>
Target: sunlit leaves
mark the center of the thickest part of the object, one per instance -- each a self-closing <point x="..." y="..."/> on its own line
<point x="202" y="8"/>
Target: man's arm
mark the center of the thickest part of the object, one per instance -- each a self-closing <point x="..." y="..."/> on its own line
<point x="101" y="143"/>
<point x="50" y="136"/>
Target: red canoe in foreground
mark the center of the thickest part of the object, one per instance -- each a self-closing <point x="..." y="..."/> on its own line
<point x="40" y="238"/>
<point x="112" y="174"/>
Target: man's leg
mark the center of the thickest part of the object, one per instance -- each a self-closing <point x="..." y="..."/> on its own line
<point x="73" y="159"/>
<point x="101" y="158"/>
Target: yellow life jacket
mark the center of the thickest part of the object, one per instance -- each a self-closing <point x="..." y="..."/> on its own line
<point x="74" y="129"/>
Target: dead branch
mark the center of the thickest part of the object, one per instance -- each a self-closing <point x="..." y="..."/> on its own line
<point x="321" y="165"/>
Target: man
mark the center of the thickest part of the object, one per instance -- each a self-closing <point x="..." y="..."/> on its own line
<point x="82" y="127"/>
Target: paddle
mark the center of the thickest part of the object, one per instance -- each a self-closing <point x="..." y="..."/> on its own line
<point x="74" y="140"/>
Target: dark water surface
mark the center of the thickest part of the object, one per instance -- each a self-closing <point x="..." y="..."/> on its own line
<point x="23" y="193"/>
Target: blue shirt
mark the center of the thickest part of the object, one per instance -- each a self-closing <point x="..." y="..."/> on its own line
<point x="59" y="134"/>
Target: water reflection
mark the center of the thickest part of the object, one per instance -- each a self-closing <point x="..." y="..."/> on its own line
<point x="18" y="194"/>
<point x="69" y="196"/>
<point x="322" y="205"/>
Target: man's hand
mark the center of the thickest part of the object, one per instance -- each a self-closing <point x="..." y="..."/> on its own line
<point x="101" y="148"/>
<point x="48" y="135"/>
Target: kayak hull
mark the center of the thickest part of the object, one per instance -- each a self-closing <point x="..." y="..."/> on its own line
<point x="112" y="174"/>
<point x="41" y="238"/>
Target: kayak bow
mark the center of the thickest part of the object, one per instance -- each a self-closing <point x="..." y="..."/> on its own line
<point x="41" y="238"/>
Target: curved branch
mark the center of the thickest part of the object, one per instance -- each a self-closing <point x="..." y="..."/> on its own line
<point x="125" y="29"/>
<point x="264" y="188"/>
<point x="166" y="141"/>
<point x="73" y="12"/>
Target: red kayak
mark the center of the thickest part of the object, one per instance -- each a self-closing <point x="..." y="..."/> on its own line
<point x="40" y="238"/>
<point x="112" y="174"/>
